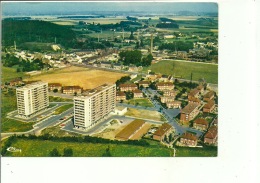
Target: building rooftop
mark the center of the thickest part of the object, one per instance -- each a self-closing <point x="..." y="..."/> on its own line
<point x="32" y="85"/>
<point x="120" y="93"/>
<point x="201" y="121"/>
<point x="162" y="129"/>
<point x="54" y="84"/>
<point x="209" y="94"/>
<point x="127" y="85"/>
<point x="209" y="104"/>
<point x="165" y="84"/>
<point x="96" y="90"/>
<point x="212" y="132"/>
<point x="189" y="108"/>
<point x="71" y="87"/>
<point x="193" y="92"/>
<point x="137" y="91"/>
<point x="189" y="136"/>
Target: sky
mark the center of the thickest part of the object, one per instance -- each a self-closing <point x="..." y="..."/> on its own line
<point x="34" y="8"/>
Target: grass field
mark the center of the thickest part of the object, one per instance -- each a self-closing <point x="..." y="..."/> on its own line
<point x="42" y="148"/>
<point x="8" y="101"/>
<point x="58" y="99"/>
<point x="56" y="131"/>
<point x="184" y="69"/>
<point x="140" y="102"/>
<point x="9" y="74"/>
<point x="196" y="152"/>
<point x="62" y="109"/>
<point x="146" y="114"/>
<point x="84" y="77"/>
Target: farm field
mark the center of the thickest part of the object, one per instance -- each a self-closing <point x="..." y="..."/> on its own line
<point x="9" y="74"/>
<point x="140" y="102"/>
<point x="184" y="69"/>
<point x="42" y="148"/>
<point x="145" y="114"/>
<point x="84" y="77"/>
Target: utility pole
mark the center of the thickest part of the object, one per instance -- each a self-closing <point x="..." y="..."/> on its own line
<point x="14" y="45"/>
<point x="55" y="40"/>
<point x="123" y="34"/>
<point x="151" y="49"/>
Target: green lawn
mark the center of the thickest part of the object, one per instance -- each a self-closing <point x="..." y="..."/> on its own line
<point x="62" y="109"/>
<point x="58" y="99"/>
<point x="8" y="104"/>
<point x="42" y="148"/>
<point x="10" y="73"/>
<point x="184" y="69"/>
<point x="140" y="102"/>
<point x="196" y="152"/>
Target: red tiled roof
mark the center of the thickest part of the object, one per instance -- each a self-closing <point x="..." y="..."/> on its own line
<point x="212" y="132"/>
<point x="193" y="99"/>
<point x="71" y="87"/>
<point x="165" y="84"/>
<point x="120" y="93"/>
<point x="144" y="82"/>
<point x="127" y="85"/>
<point x="163" y="129"/>
<point x="189" y="136"/>
<point x="201" y="121"/>
<point x="209" y="104"/>
<point x="137" y="91"/>
<point x="189" y="108"/>
<point x="209" y="94"/>
<point x="194" y="92"/>
<point x="54" y="84"/>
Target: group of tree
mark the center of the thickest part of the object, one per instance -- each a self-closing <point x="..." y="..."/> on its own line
<point x="167" y="25"/>
<point x="136" y="58"/>
<point x="67" y="152"/>
<point x="177" y="45"/>
<point x="122" y="80"/>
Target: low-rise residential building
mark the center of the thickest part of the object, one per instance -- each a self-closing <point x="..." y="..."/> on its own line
<point x="165" y="86"/>
<point x="209" y="96"/>
<point x="189" y="112"/>
<point x="167" y="99"/>
<point x="200" y="88"/>
<point x="195" y="100"/>
<point x="209" y="107"/>
<point x="138" y="94"/>
<point x="71" y="89"/>
<point x="194" y="93"/>
<point x="211" y="136"/>
<point x="131" y="129"/>
<point x="53" y="86"/>
<point x="128" y="87"/>
<point x="163" y="130"/>
<point x="168" y="93"/>
<point x="201" y="124"/>
<point x="120" y="96"/>
<point x="120" y="111"/>
<point x="16" y="81"/>
<point x="105" y="64"/>
<point x="189" y="139"/>
<point x="145" y="84"/>
<point x="165" y="78"/>
<point x="175" y="104"/>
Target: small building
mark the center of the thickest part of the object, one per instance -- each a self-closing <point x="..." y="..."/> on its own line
<point x="120" y="96"/>
<point x="138" y="94"/>
<point x="200" y="88"/>
<point x="105" y="64"/>
<point x="189" y="112"/>
<point x="195" y="100"/>
<point x="52" y="86"/>
<point x="145" y="84"/>
<point x="165" y="78"/>
<point x="71" y="89"/>
<point x="201" y="124"/>
<point x="167" y="99"/>
<point x="189" y="139"/>
<point x="163" y="130"/>
<point x="169" y="93"/>
<point x="120" y="111"/>
<point x="194" y="93"/>
<point x="175" y="104"/>
<point x="211" y="136"/>
<point x="118" y="66"/>
<point x="128" y="87"/>
<point x="209" y="96"/>
<point x="209" y="107"/>
<point x="165" y="86"/>
<point x="16" y="81"/>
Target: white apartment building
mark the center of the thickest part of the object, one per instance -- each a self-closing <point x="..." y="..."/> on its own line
<point x="92" y="107"/>
<point x="32" y="98"/>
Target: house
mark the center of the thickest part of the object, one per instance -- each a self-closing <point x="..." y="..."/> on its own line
<point x="194" y="93"/>
<point x="145" y="84"/>
<point x="120" y="111"/>
<point x="162" y="131"/>
<point x="138" y="94"/>
<point x="165" y="78"/>
<point x="189" y="139"/>
<point x="211" y="136"/>
<point x="71" y="89"/>
<point x="52" y="86"/>
<point x="209" y="96"/>
<point x="16" y="81"/>
<point x="128" y="87"/>
<point x="200" y="88"/>
<point x="189" y="112"/>
<point x="175" y="104"/>
<point x="165" y="86"/>
<point x="133" y="69"/>
<point x="118" y="66"/>
<point x="182" y="54"/>
<point x="151" y="77"/>
<point x="195" y="100"/>
<point x="167" y="99"/>
<point x="209" y="107"/>
<point x="168" y="93"/>
<point x="201" y="124"/>
<point x="105" y="64"/>
<point x="120" y="96"/>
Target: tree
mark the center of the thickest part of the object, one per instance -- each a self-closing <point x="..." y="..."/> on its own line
<point x="55" y="90"/>
<point x="75" y="93"/>
<point x="146" y="61"/>
<point x="165" y="139"/>
<point x="170" y="137"/>
<point x="107" y="153"/>
<point x="131" y="36"/>
<point x="67" y="152"/>
<point x="55" y="153"/>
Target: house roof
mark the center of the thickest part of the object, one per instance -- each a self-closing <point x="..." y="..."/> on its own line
<point x="165" y="84"/>
<point x="200" y="87"/>
<point x="193" y="99"/>
<point x="194" y="92"/>
<point x="163" y="129"/>
<point x="189" y="108"/>
<point x="209" y="94"/>
<point x="209" y="104"/>
<point x="137" y="91"/>
<point x="127" y="85"/>
<point x="71" y="87"/>
<point x="54" y="84"/>
<point x="120" y="93"/>
<point x="144" y="82"/>
<point x="212" y="132"/>
<point x="201" y="121"/>
<point x="174" y="102"/>
<point x="189" y="136"/>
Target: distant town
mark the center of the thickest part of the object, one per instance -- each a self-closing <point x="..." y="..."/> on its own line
<point x="102" y="86"/>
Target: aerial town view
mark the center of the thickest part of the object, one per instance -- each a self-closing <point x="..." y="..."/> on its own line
<point x="123" y="79"/>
